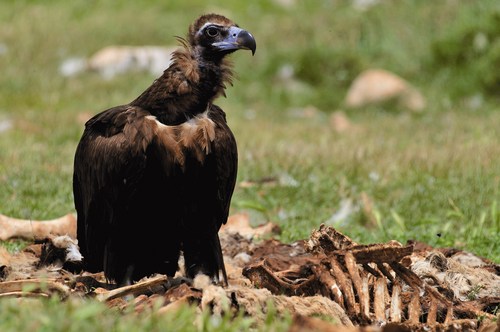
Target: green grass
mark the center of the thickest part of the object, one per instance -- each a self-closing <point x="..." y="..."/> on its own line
<point x="432" y="177"/>
<point x="78" y="315"/>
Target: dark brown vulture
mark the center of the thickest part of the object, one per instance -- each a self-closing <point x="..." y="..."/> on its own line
<point x="155" y="177"/>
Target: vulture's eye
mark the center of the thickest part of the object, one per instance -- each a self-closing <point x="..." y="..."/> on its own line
<point x="212" y="32"/>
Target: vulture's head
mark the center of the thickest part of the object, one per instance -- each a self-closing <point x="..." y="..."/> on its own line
<point x="217" y="36"/>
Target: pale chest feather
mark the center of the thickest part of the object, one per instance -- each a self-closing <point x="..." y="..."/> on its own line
<point x="195" y="135"/>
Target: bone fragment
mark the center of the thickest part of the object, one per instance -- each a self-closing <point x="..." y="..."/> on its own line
<point x="396" y="303"/>
<point x="28" y="286"/>
<point x="34" y="229"/>
<point x="359" y="285"/>
<point x="379" y="299"/>
<point x="414" y="308"/>
<point x="134" y="289"/>
<point x="345" y="286"/>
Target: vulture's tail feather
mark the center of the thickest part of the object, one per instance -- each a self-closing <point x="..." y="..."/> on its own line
<point x="203" y="254"/>
<point x="220" y="259"/>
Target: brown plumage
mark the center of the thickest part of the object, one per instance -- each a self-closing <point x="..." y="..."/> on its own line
<point x="155" y="177"/>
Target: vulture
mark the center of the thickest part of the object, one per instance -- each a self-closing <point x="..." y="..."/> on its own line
<point x="154" y="178"/>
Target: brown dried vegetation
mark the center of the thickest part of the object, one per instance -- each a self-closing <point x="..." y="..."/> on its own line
<point x="378" y="287"/>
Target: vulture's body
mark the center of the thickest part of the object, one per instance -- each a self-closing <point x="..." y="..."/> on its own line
<point x="155" y="177"/>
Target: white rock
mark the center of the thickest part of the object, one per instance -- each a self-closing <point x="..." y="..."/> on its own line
<point x="73" y="66"/>
<point x="114" y="60"/>
<point x="346" y="209"/>
<point x="286" y="3"/>
<point x="377" y="86"/>
<point x="340" y="122"/>
<point x="3" y="49"/>
<point x="364" y="4"/>
<point x="5" y="125"/>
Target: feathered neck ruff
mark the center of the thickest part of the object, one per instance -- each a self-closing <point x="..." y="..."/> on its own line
<point x="197" y="64"/>
<point x="188" y="86"/>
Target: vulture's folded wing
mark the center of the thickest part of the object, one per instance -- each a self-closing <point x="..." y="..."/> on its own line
<point x="110" y="160"/>
<point x="226" y="163"/>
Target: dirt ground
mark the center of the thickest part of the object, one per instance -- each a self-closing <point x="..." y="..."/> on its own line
<point x="377" y="287"/>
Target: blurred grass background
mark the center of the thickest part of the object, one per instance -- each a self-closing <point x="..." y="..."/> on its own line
<point x="432" y="176"/>
<point x="437" y="171"/>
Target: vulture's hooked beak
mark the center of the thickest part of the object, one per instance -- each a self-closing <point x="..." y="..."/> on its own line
<point x="237" y="39"/>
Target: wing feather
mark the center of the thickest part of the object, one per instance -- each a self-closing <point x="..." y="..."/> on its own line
<point x="109" y="162"/>
<point x="226" y="153"/>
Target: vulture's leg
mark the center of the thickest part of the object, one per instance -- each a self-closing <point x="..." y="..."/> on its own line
<point x="203" y="254"/>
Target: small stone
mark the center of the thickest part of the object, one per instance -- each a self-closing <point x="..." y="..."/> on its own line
<point x="375" y="86"/>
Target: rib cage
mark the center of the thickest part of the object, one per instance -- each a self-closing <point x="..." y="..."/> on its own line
<point x="374" y="284"/>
